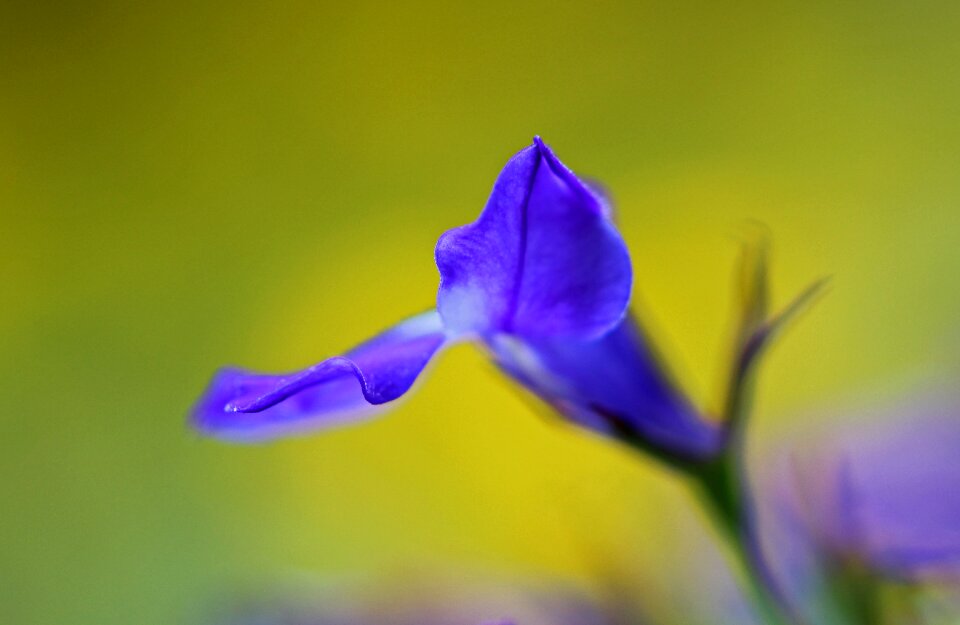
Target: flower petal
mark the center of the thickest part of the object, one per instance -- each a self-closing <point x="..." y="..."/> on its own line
<point x="613" y="384"/>
<point x="240" y="405"/>
<point x="877" y="494"/>
<point x="904" y="485"/>
<point x="543" y="259"/>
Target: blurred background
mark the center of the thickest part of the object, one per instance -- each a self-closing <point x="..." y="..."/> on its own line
<point x="186" y="185"/>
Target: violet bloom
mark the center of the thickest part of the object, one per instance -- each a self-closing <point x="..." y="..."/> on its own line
<point x="542" y="279"/>
<point x="865" y="505"/>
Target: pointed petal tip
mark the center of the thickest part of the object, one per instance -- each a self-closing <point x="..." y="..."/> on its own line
<point x="543" y="148"/>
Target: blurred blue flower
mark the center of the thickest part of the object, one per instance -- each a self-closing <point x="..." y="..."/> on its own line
<point x="868" y="507"/>
<point x="542" y="279"/>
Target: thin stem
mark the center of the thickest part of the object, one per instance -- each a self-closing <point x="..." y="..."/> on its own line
<point x="723" y="490"/>
<point x="722" y="482"/>
<point x="721" y="485"/>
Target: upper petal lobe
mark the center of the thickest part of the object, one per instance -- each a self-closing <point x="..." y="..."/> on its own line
<point x="543" y="259"/>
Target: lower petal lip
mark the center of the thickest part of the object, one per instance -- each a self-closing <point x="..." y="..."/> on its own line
<point x="242" y="405"/>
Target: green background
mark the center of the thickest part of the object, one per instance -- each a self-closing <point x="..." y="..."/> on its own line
<point x="185" y="185"/>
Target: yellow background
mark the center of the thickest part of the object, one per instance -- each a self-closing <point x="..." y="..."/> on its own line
<point x="185" y="185"/>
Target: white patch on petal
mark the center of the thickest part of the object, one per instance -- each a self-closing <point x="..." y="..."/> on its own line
<point x="419" y="325"/>
<point x="463" y="310"/>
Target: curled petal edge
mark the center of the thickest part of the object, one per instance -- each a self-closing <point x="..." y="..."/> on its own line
<point x="240" y="405"/>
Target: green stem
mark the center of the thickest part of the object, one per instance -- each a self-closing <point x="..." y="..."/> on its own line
<point x="719" y="489"/>
<point x="720" y="484"/>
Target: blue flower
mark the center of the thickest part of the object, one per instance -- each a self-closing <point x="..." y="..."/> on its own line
<point x="542" y="279"/>
<point x="867" y="503"/>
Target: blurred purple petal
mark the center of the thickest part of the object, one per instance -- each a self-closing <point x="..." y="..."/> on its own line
<point x="241" y="405"/>
<point x="904" y="490"/>
<point x="614" y="385"/>
<point x="878" y="492"/>
<point x="542" y="260"/>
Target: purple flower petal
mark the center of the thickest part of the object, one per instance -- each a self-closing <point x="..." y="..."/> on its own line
<point x="614" y="385"/>
<point x="240" y="405"/>
<point x="876" y="494"/>
<point x="904" y="490"/>
<point x="543" y="259"/>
